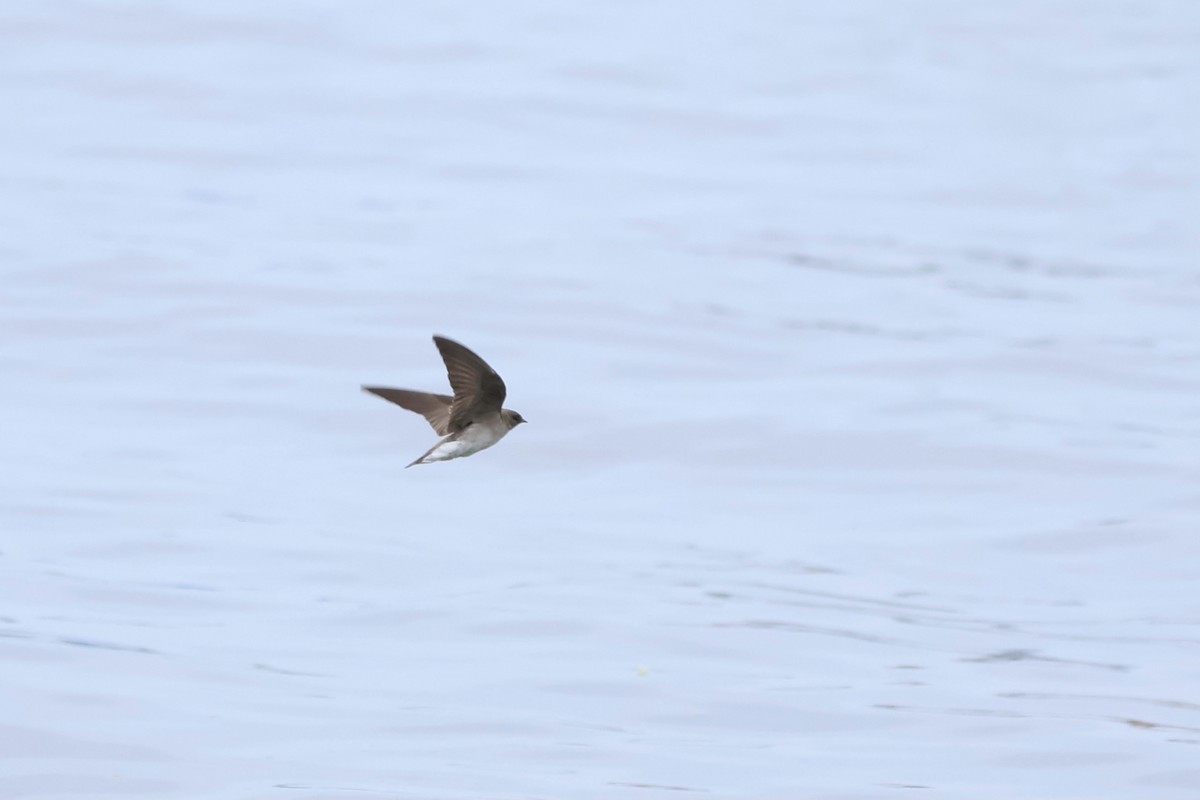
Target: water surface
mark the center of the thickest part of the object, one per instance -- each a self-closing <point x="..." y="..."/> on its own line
<point x="859" y="347"/>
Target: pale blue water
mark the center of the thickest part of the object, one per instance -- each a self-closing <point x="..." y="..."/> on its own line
<point x="860" y="349"/>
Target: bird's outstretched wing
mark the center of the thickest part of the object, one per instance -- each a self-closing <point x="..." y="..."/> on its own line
<point x="477" y="388"/>
<point x="434" y="407"/>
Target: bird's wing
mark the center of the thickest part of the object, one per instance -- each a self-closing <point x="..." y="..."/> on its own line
<point x="477" y="387"/>
<point x="434" y="407"/>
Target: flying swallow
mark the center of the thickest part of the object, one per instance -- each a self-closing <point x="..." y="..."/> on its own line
<point x="471" y="420"/>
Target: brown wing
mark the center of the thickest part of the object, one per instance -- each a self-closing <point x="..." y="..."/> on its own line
<point x="434" y="407"/>
<point x="477" y="387"/>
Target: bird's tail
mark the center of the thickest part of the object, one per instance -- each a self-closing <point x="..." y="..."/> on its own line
<point x="424" y="455"/>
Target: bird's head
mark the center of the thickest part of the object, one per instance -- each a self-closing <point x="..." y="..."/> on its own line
<point x="512" y="418"/>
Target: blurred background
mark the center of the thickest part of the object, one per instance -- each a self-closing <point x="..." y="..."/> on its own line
<point x="859" y="344"/>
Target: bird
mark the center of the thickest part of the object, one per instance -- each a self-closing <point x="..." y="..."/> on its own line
<point x="471" y="420"/>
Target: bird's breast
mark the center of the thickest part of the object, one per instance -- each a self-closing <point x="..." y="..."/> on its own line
<point x="481" y="434"/>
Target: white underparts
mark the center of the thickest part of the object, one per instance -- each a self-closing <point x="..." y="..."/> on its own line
<point x="468" y="442"/>
<point x="448" y="450"/>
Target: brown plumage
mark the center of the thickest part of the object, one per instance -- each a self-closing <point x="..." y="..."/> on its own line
<point x="472" y="419"/>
